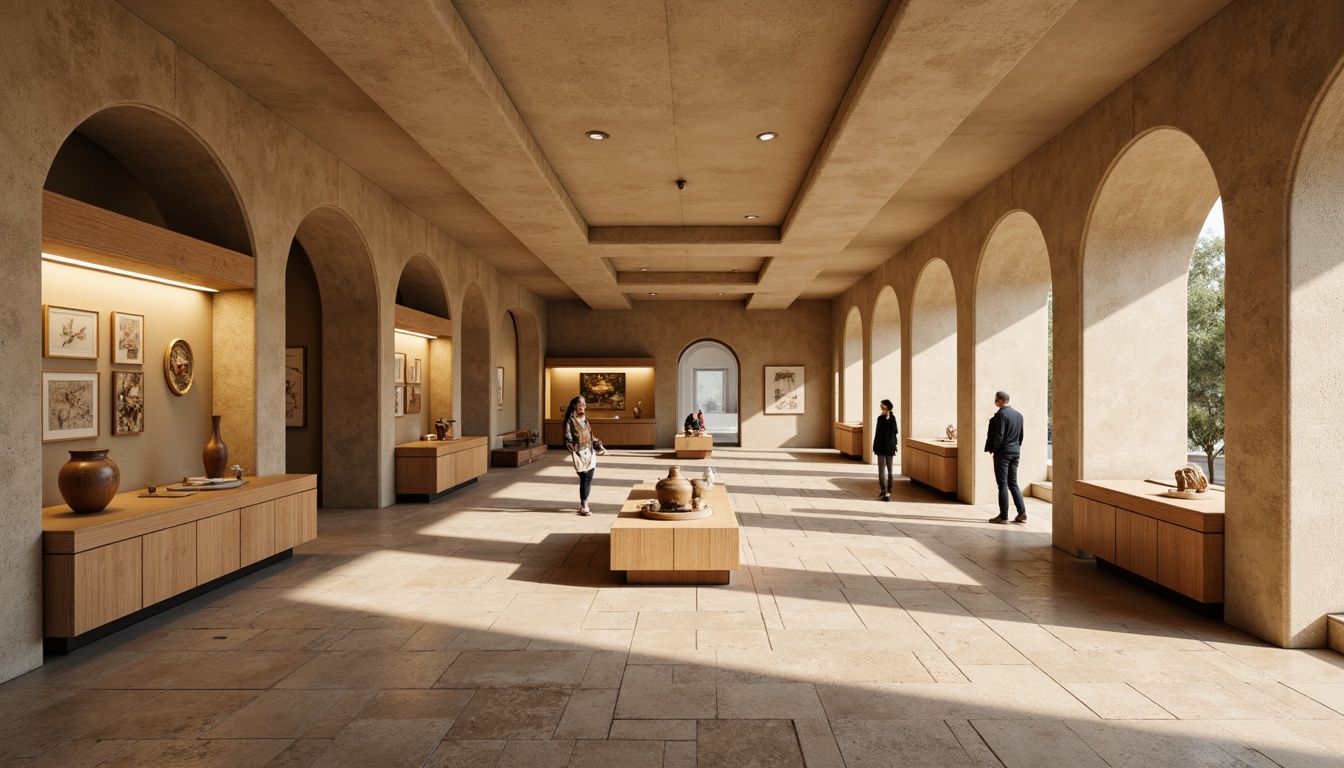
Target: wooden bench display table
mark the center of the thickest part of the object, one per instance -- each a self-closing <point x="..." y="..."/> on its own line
<point x="932" y="464"/>
<point x="104" y="571"/>
<point x="849" y="439"/>
<point x="613" y="433"/>
<point x="695" y="447"/>
<point x="1172" y="545"/>
<point x="428" y="469"/>
<point x="703" y="551"/>
<point x="516" y="451"/>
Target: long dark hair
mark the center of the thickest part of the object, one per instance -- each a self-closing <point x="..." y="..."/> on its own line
<point x="569" y="412"/>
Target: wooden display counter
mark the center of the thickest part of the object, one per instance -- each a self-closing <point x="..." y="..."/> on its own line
<point x="849" y="439"/>
<point x="703" y="551"/>
<point x="102" y="572"/>
<point x="1173" y="545"/>
<point x="428" y="469"/>
<point x="695" y="447"/>
<point x="932" y="464"/>
<point x="613" y="433"/>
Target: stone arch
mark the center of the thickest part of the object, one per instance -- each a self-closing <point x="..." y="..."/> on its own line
<point x="933" y="354"/>
<point x="1011" y="346"/>
<point x="885" y="369"/>
<point x="421" y="288"/>
<point x="851" y="368"/>
<point x="356" y="393"/>
<point x="726" y="427"/>
<point x="529" y="375"/>
<point x="1140" y="234"/>
<point x="476" y="365"/>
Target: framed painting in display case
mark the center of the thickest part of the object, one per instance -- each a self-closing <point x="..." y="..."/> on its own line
<point x="128" y="402"/>
<point x="398" y="367"/>
<point x="499" y="388"/>
<point x="70" y="333"/>
<point x="413" y="373"/>
<point x="128" y="338"/>
<point x="69" y="405"/>
<point x="179" y="366"/>
<point x="603" y="391"/>
<point x="784" y="389"/>
<point x="399" y="400"/>
<point x="412" y="399"/>
<point x="296" y="381"/>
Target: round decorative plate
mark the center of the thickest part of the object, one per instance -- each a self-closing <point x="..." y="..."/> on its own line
<point x="690" y="514"/>
<point x="1185" y="494"/>
<point x="179" y="366"/>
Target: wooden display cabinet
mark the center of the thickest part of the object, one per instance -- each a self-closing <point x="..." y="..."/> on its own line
<point x="428" y="469"/>
<point x="849" y="439"/>
<point x="703" y="551"/>
<point x="932" y="464"/>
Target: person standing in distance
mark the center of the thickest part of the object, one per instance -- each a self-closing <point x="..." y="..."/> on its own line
<point x="884" y="448"/>
<point x="1004" y="443"/>
<point x="583" y="447"/>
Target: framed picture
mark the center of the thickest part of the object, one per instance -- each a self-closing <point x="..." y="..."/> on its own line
<point x="179" y="367"/>
<point x="603" y="391"/>
<point x="413" y="375"/>
<point x="499" y="388"/>
<point x="71" y="333"/>
<point x="69" y="405"/>
<point x="412" y="399"/>
<point x="784" y="389"/>
<point x="296" y="381"/>
<point x="128" y="338"/>
<point x="398" y="367"/>
<point x="128" y="402"/>
<point x="399" y="400"/>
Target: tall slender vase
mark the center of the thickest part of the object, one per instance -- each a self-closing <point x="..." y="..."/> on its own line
<point x="216" y="453"/>
<point x="89" y="480"/>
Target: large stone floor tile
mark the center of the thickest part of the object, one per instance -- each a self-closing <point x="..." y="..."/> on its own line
<point x="384" y="742"/>
<point x="516" y="713"/>
<point x="691" y="701"/>
<point x="617" y="754"/>
<point x="466" y="754"/>
<point x="516" y="669"/>
<point x="748" y="744"/>
<point x="1117" y="701"/>
<point x="882" y="743"/>
<point x="206" y="669"/>
<point x="279" y="714"/>
<point x="176" y="715"/>
<point x="393" y="669"/>
<point x="203" y="753"/>
<point x="1031" y="743"/>
<point x="769" y="701"/>
<point x="1159" y="744"/>
<point x="72" y="717"/>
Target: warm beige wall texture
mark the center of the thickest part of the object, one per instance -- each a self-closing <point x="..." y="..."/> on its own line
<point x="1282" y="521"/>
<point x="800" y="335"/>
<point x="280" y="179"/>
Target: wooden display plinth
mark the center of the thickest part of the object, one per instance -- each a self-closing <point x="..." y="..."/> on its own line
<point x="849" y="439"/>
<point x="428" y="469"/>
<point x="1174" y="546"/>
<point x="703" y="551"/>
<point x="516" y="457"/>
<point x="104" y="571"/>
<point x="693" y="447"/>
<point x="932" y="464"/>
<point x="614" y="433"/>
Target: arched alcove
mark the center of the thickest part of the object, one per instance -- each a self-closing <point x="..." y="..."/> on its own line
<point x="425" y="345"/>
<point x="506" y="384"/>
<point x="851" y="365"/>
<point x="356" y="391"/>
<point x="1011" y="344"/>
<point x="529" y="373"/>
<point x="477" y="365"/>
<point x="933" y="355"/>
<point x="709" y="379"/>
<point x="886" y="364"/>
<point x="1136" y="261"/>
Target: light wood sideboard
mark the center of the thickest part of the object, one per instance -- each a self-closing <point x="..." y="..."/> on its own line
<point x="703" y="551"/>
<point x="612" y="432"/>
<point x="428" y="469"/>
<point x="1174" y="545"/>
<point x="931" y="463"/>
<point x="104" y="571"/>
<point x="849" y="439"/>
<point x="694" y="447"/>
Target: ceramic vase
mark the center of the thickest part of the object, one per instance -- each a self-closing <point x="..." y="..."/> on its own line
<point x="216" y="453"/>
<point x="673" y="491"/>
<point x="89" y="480"/>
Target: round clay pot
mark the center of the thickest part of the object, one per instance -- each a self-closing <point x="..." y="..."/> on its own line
<point x="674" y="491"/>
<point x="699" y="488"/>
<point x="89" y="480"/>
<point x="215" y="456"/>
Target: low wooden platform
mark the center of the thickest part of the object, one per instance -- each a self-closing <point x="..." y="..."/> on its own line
<point x="704" y="551"/>
<point x="516" y="457"/>
<point x="428" y="469"/>
<point x="932" y="463"/>
<point x="693" y="447"/>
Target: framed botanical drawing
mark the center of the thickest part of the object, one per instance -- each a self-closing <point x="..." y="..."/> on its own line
<point x="499" y="388"/>
<point x="398" y="367"/>
<point x="412" y="399"/>
<point x="413" y="375"/>
<point x="399" y="400"/>
<point x="128" y="338"/>
<point x="784" y="389"/>
<point x="68" y="332"/>
<point x="296" y="381"/>
<point x="603" y="391"/>
<point x="128" y="402"/>
<point x="179" y="367"/>
<point x="69" y="405"/>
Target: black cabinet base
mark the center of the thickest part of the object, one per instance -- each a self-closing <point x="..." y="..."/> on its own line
<point x="425" y="498"/>
<point x="1212" y="610"/>
<point x="949" y="495"/>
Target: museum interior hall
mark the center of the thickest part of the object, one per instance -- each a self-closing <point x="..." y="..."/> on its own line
<point x="534" y="354"/>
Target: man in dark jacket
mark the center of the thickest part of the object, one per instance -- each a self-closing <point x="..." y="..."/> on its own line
<point x="1004" y="443"/>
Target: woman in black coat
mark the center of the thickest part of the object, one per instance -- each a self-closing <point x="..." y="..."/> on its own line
<point x="884" y="448"/>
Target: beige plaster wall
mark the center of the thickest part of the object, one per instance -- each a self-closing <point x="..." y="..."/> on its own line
<point x="800" y="335"/>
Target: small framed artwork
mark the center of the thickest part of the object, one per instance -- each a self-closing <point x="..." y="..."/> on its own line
<point x="399" y="400"/>
<point x="179" y="367"/>
<point x="499" y="388"/>
<point x="296" y="379"/>
<point x="413" y="375"/>
<point x="784" y="389"/>
<point x="412" y="399"/>
<point x="603" y="391"/>
<point x="128" y="402"/>
<point x="69" y="405"/>
<point x="71" y="333"/>
<point x="128" y="338"/>
<point x="398" y="367"/>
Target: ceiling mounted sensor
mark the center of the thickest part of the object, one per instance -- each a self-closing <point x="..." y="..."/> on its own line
<point x="681" y="183"/>
<point x="768" y="135"/>
<point x="597" y="135"/>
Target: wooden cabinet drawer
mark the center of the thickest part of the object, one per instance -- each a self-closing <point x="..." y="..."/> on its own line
<point x="218" y="546"/>
<point x="168" y="563"/>
<point x="1094" y="527"/>
<point x="257" y="532"/>
<point x="1190" y="562"/>
<point x="91" y="588"/>
<point x="1136" y="543"/>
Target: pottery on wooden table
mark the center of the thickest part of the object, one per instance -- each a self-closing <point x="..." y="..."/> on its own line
<point x="673" y="491"/>
<point x="89" y="480"/>
<point x="215" y="456"/>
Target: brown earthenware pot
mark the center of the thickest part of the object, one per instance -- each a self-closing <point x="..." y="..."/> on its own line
<point x="215" y="455"/>
<point x="89" y="480"/>
<point x="674" y="491"/>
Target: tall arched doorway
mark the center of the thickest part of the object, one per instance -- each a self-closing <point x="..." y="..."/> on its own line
<point x="479" y="380"/>
<point x="886" y="364"/>
<point x="851" y="366"/>
<point x="709" y="379"/>
<point x="933" y="358"/>
<point x="423" y="344"/>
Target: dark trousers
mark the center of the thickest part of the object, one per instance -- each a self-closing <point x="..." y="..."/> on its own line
<point x="884" y="472"/>
<point x="1005" y="474"/>
<point x="585" y="484"/>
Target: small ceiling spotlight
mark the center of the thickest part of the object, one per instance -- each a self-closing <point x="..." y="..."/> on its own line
<point x="751" y="216"/>
<point x="643" y="269"/>
<point x="720" y="293"/>
<point x="653" y="293"/>
<point x="681" y="183"/>
<point x="597" y="135"/>
<point x="768" y="135"/>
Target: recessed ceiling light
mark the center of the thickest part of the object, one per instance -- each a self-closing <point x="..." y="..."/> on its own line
<point x="643" y="269"/>
<point x="653" y="293"/>
<point x="602" y="135"/>
<point x="735" y="270"/>
<point x="720" y="293"/>
<point x="768" y="135"/>
<point x="751" y="216"/>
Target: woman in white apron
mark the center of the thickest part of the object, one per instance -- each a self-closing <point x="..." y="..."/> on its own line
<point x="583" y="448"/>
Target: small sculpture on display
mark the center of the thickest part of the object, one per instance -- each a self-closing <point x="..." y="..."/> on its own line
<point x="638" y="410"/>
<point x="710" y="477"/>
<point x="444" y="429"/>
<point x="673" y="491"/>
<point x="951" y="432"/>
<point x="1191" y="479"/>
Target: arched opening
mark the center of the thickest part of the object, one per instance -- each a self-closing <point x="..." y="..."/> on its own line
<point x="303" y="366"/>
<point x="506" y="375"/>
<point x="851" y="365"/>
<point x="933" y="358"/>
<point x="709" y="380"/>
<point x="886" y="364"/>
<point x="1136" y="262"/>
<point x="422" y="337"/>
<point x="479" y="380"/>
<point x="529" y="370"/>
<point x="1012" y="345"/>
<point x="355" y="398"/>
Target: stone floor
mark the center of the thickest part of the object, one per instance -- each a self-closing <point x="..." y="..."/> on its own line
<point x="485" y="630"/>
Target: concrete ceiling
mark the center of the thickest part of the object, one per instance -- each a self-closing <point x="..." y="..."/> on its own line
<point x="472" y="113"/>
